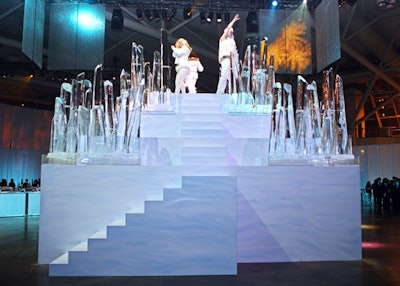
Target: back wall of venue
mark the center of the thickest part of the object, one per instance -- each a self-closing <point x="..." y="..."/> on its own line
<point x="24" y="138"/>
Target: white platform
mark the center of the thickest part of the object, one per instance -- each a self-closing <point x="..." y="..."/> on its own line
<point x="198" y="204"/>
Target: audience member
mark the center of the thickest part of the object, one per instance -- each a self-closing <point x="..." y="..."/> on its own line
<point x="3" y="183"/>
<point x="26" y="184"/>
<point x="368" y="190"/>
<point x="11" y="184"/>
<point x="385" y="194"/>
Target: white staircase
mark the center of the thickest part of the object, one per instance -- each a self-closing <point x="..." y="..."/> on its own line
<point x="183" y="234"/>
<point x="188" y="233"/>
<point x="201" y="127"/>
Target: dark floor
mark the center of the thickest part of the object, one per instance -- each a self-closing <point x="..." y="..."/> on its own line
<point x="380" y="264"/>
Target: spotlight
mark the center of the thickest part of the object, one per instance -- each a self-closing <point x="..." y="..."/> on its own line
<point x="227" y="17"/>
<point x="386" y="4"/>
<point x="210" y="17"/>
<point x="139" y="14"/>
<point x="187" y="12"/>
<point x="274" y="3"/>
<point x="252" y="22"/>
<point x="218" y="16"/>
<point x="117" y="19"/>
<point x="148" y="14"/>
<point x="341" y="3"/>
<point x="171" y="14"/>
<point x="156" y="15"/>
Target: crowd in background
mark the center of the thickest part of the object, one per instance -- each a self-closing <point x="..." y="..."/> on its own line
<point x="33" y="185"/>
<point x="384" y="194"/>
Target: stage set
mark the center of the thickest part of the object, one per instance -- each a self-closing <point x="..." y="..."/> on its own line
<point x="202" y="197"/>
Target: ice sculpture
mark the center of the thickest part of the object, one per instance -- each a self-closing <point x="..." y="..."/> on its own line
<point x="244" y="95"/>
<point x="233" y="79"/>
<point x="97" y="128"/>
<point x="157" y="94"/>
<point x="270" y="82"/>
<point x="135" y="99"/>
<point x="73" y="127"/>
<point x="316" y="119"/>
<point x="341" y="122"/>
<point x="260" y="76"/>
<point x="311" y="131"/>
<point x="308" y="106"/>
<point x="121" y="112"/>
<point x="282" y="120"/>
<point x="277" y="106"/>
<point x="148" y="83"/>
<point x="327" y="130"/>
<point x="110" y="118"/>
<point x="84" y="105"/>
<point x="96" y="134"/>
<point x="156" y="80"/>
<point x="59" y="121"/>
<point x="291" y="140"/>
<point x="301" y="117"/>
<point x="89" y="125"/>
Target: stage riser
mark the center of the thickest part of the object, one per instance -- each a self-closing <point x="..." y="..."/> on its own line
<point x="198" y="204"/>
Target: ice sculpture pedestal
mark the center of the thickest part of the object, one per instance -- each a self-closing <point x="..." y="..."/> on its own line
<point x="203" y="200"/>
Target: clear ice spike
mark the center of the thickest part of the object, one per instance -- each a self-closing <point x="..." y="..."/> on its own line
<point x="96" y="134"/>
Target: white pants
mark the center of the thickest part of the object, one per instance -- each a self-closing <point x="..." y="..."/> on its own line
<point x="191" y="83"/>
<point x="181" y="74"/>
<point x="224" y="76"/>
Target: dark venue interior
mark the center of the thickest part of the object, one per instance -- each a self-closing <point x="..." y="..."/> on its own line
<point x="366" y="54"/>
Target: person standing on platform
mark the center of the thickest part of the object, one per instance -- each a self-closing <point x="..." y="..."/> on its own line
<point x="181" y="51"/>
<point x="227" y="47"/>
<point x="195" y="67"/>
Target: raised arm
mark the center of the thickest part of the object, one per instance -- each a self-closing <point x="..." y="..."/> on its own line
<point x="230" y="26"/>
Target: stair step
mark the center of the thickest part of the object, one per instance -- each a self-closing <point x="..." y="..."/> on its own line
<point x="201" y="133"/>
<point x="201" y="117"/>
<point x="201" y="109"/>
<point x="83" y="246"/>
<point x="120" y="222"/>
<point x="204" y="142"/>
<point x="63" y="259"/>
<point x="99" y="234"/>
<point x="200" y="101"/>
<point x="207" y="151"/>
<point x="201" y="97"/>
<point x="201" y="125"/>
<point x="204" y="161"/>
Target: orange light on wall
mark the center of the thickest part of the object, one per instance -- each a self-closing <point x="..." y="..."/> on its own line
<point x="291" y="49"/>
